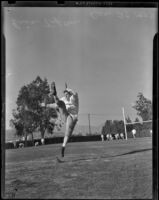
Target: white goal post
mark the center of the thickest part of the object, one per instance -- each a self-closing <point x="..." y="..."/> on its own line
<point x="125" y="123"/>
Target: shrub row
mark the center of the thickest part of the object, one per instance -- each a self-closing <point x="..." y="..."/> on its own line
<point x="54" y="140"/>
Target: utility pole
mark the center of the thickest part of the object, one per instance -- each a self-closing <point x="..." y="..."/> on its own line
<point x="126" y="137"/>
<point x="25" y="120"/>
<point x="89" y="123"/>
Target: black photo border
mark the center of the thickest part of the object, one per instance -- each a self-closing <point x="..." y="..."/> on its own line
<point x="62" y="3"/>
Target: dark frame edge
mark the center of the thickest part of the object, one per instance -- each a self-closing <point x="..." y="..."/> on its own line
<point x="155" y="115"/>
<point x="3" y="63"/>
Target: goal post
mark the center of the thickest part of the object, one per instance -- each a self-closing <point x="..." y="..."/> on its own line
<point x="131" y="123"/>
<point x="139" y="122"/>
<point x="126" y="135"/>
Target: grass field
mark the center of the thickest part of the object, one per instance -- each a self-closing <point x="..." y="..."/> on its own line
<point x="99" y="170"/>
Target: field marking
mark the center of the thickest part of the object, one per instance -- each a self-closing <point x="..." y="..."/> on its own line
<point x="105" y="160"/>
<point x="88" y="160"/>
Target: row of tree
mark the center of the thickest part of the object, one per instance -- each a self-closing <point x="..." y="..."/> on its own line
<point x="113" y="127"/>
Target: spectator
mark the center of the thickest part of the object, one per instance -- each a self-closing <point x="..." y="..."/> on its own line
<point x="151" y="132"/>
<point x="21" y="145"/>
<point x="108" y="136"/>
<point x="134" y="133"/>
<point x="102" y="137"/>
<point x="15" y="144"/>
<point x="36" y="144"/>
<point x="42" y="141"/>
<point x="121" y="135"/>
<point x="117" y="136"/>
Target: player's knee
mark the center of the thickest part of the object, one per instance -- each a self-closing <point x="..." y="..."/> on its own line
<point x="70" y="125"/>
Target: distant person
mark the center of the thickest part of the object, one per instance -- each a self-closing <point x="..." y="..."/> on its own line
<point x="102" y="137"/>
<point x="42" y="141"/>
<point x="21" y="145"/>
<point x="113" y="136"/>
<point x="107" y="137"/>
<point x="67" y="107"/>
<point x="151" y="132"/>
<point x="134" y="133"/>
<point x="15" y="144"/>
<point x="36" y="144"/>
<point x="121" y="135"/>
<point x="117" y="136"/>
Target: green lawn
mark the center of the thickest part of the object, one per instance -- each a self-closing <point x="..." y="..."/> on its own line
<point x="99" y="170"/>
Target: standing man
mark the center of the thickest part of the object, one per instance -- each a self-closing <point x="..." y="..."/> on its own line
<point x="134" y="133"/>
<point x="67" y="107"/>
<point x="121" y="135"/>
<point x="151" y="132"/>
<point x="102" y="137"/>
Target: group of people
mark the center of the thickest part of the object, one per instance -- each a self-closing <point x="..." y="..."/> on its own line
<point x="121" y="135"/>
<point x="116" y="136"/>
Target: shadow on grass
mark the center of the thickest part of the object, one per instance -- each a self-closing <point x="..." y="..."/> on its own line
<point x="136" y="151"/>
<point x="96" y="158"/>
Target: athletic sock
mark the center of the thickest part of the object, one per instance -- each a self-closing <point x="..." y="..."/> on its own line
<point x="62" y="151"/>
<point x="53" y="89"/>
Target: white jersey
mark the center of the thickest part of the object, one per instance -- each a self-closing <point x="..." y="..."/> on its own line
<point x="72" y="105"/>
<point x="133" y="131"/>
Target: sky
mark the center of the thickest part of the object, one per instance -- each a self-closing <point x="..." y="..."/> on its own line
<point x="104" y="54"/>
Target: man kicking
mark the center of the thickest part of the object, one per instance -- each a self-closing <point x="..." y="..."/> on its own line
<point x="67" y="107"/>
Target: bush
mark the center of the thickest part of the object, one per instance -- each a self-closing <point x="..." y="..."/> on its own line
<point x="56" y="140"/>
<point x="9" y="145"/>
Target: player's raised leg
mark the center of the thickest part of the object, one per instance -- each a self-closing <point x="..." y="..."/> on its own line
<point x="60" y="104"/>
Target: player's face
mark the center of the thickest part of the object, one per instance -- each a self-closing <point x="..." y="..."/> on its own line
<point x="67" y="95"/>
